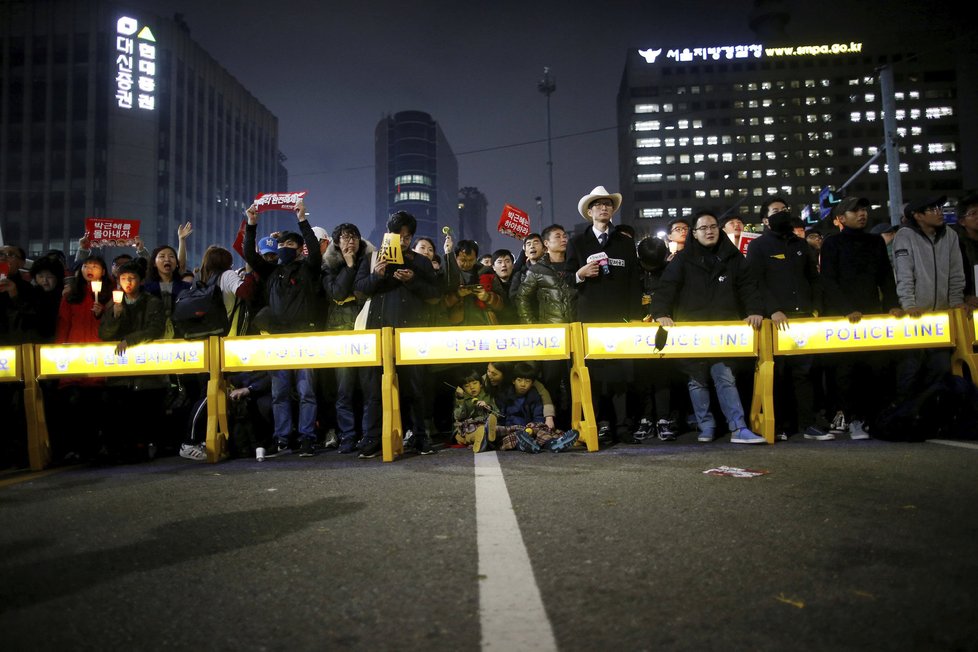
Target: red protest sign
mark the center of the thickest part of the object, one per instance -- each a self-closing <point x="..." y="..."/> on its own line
<point x="107" y="232"/>
<point x="239" y="239"/>
<point x="514" y="222"/>
<point x="278" y="201"/>
<point x="745" y="239"/>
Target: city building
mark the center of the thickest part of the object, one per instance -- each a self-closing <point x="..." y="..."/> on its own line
<point x="111" y="112"/>
<point x="724" y="127"/>
<point x="473" y="221"/>
<point x="416" y="171"/>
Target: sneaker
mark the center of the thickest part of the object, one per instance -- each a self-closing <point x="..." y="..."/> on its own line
<point x="282" y="448"/>
<point x="814" y="432"/>
<point x="839" y="424"/>
<point x="745" y="436"/>
<point x="665" y="430"/>
<point x="604" y="432"/>
<point x="408" y="440"/>
<point x="423" y="445"/>
<point x="193" y="452"/>
<point x="782" y="436"/>
<point x="706" y="436"/>
<point x="526" y="442"/>
<point x="643" y="431"/>
<point x="347" y="446"/>
<point x="563" y="442"/>
<point x="370" y="449"/>
<point x="857" y="430"/>
<point x="307" y="448"/>
<point x="331" y="440"/>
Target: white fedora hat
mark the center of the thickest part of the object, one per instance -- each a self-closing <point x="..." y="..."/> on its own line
<point x="598" y="193"/>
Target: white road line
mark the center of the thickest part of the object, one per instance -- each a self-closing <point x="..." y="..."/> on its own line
<point x="510" y="607"/>
<point x="950" y="442"/>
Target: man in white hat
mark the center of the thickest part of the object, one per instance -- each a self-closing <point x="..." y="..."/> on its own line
<point x="608" y="290"/>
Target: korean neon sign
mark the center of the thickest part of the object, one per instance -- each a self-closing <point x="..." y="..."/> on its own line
<point x="135" y="62"/>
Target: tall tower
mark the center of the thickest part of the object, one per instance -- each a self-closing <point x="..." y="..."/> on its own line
<point x="416" y="171"/>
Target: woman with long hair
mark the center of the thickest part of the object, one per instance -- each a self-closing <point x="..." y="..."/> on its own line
<point x="81" y="310"/>
<point x="163" y="280"/>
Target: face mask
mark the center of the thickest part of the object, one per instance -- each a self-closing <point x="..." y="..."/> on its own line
<point x="780" y="222"/>
<point x="286" y="255"/>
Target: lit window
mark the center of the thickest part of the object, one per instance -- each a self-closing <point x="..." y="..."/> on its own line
<point x="726" y="140"/>
<point x="902" y="132"/>
<point x="919" y="149"/>
<point x="901" y="114"/>
<point x="809" y="101"/>
<point x="646" y="108"/>
<point x="683" y="124"/>
<point x="648" y="160"/>
<point x="854" y="82"/>
<point x="940" y="148"/>
<point x="714" y="193"/>
<point x="412" y="195"/>
<point x="670" y="142"/>
<point x="904" y="167"/>
<point x="855" y="116"/>
<point x="827" y="135"/>
<point x="714" y="157"/>
<point x="870" y="116"/>
<point x="755" y="156"/>
<point x="872" y="151"/>
<point x="857" y="151"/>
<point x="683" y="142"/>
<point x="809" y="83"/>
<point x="698" y="158"/>
<point x="915" y="114"/>
<point x="727" y="157"/>
<point x="768" y="138"/>
<point x="698" y="140"/>
<point x="914" y="95"/>
<point x="687" y="212"/>
<point x="647" y="125"/>
<point x="648" y="178"/>
<point x="869" y="81"/>
<point x="898" y="96"/>
<point x="667" y="108"/>
<point x="869" y="97"/>
<point x="916" y="131"/>
<point x="756" y="174"/>
<point x="874" y="169"/>
<point x="771" y="173"/>
<point x="752" y="87"/>
<point x="765" y="86"/>
<point x="940" y="166"/>
<point x="813" y="171"/>
<point x="697" y="124"/>
<point x="939" y="112"/>
<point x="648" y="142"/>
<point x="684" y="158"/>
<point x="810" y="118"/>
<point x="768" y="120"/>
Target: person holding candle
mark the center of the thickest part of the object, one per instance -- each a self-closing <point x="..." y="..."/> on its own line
<point x="135" y="316"/>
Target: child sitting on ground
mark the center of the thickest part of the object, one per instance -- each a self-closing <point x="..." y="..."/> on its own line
<point x="522" y="423"/>
<point x="473" y="406"/>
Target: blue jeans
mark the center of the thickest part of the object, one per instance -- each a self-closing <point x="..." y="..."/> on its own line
<point x="699" y="372"/>
<point x="282" y="381"/>
<point x="347" y="379"/>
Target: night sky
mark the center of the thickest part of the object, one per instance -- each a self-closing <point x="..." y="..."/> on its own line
<point x="330" y="70"/>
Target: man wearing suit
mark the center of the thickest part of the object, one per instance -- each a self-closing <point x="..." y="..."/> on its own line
<point x="608" y="290"/>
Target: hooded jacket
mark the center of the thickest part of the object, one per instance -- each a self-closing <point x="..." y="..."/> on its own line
<point x="929" y="271"/>
<point x="338" y="281"/>
<point x="707" y="284"/>
<point x="546" y="296"/>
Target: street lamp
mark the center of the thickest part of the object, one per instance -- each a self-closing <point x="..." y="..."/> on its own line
<point x="547" y="85"/>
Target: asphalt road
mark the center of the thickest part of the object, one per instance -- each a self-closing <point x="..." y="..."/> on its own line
<point x="840" y="546"/>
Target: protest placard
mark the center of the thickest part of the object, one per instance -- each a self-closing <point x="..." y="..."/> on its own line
<point x="111" y="232"/>
<point x="514" y="222"/>
<point x="278" y="201"/>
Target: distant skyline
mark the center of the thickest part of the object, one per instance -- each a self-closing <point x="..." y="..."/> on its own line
<point x="330" y="71"/>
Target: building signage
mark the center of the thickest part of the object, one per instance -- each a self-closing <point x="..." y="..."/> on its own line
<point x="135" y="62"/>
<point x="868" y="334"/>
<point x="726" y="339"/>
<point x="489" y="344"/>
<point x="171" y="356"/>
<point x="341" y="349"/>
<point x="753" y="51"/>
<point x="8" y="364"/>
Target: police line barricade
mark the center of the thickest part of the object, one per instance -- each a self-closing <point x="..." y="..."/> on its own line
<point x="11" y="364"/>
<point x="63" y="361"/>
<point x="965" y="354"/>
<point x="636" y="340"/>
<point x="329" y="349"/>
<point x="478" y="344"/>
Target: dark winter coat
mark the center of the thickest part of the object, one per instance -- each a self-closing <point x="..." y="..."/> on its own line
<point x="547" y="296"/>
<point x="702" y="284"/>
<point x="338" y="281"/>
<point x="856" y="271"/>
<point x="612" y="297"/>
<point x="786" y="273"/>
<point x="396" y="303"/>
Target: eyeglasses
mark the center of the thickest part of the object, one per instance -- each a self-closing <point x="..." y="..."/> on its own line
<point x="603" y="202"/>
<point x="679" y="229"/>
<point x="934" y="209"/>
<point x="710" y="227"/>
<point x="348" y="238"/>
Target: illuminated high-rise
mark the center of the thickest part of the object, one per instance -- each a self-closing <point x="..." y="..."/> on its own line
<point x="725" y="127"/>
<point x="112" y="112"/>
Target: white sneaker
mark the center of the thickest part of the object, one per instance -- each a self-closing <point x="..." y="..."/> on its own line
<point x="856" y="430"/>
<point x="331" y="440"/>
<point x="193" y="452"/>
<point x="839" y="424"/>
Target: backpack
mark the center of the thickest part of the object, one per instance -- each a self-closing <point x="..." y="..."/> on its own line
<point x="199" y="311"/>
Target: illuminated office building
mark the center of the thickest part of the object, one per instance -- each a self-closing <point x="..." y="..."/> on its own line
<point x="416" y="171"/>
<point x="708" y="127"/>
<point x="473" y="219"/>
<point x="109" y="112"/>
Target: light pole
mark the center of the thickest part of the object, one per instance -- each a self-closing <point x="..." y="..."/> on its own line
<point x="547" y="85"/>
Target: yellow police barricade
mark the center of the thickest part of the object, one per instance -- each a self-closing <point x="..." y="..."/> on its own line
<point x="694" y="340"/>
<point x="965" y="354"/>
<point x="291" y="351"/>
<point x="47" y="361"/>
<point x="476" y="344"/>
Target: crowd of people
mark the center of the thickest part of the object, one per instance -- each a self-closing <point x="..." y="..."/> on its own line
<point x="309" y="280"/>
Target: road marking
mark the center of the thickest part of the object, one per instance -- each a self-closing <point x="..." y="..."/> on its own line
<point x="959" y="444"/>
<point x="510" y="606"/>
<point x="29" y="476"/>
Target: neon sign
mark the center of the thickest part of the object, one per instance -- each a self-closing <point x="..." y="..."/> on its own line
<point x="135" y="62"/>
<point x="752" y="51"/>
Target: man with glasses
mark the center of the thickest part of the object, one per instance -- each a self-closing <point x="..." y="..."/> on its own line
<point x="709" y="280"/>
<point x="605" y="269"/>
<point x="929" y="276"/>
<point x="677" y="232"/>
